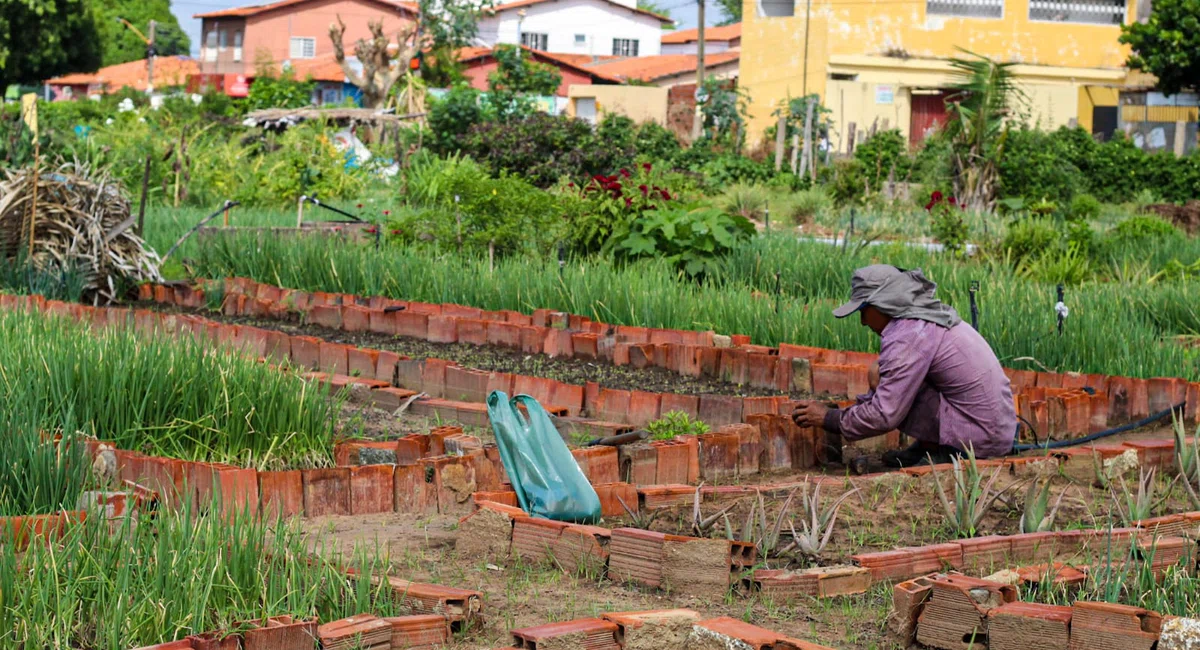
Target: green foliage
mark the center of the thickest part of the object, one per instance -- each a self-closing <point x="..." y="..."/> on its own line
<point x="691" y="239"/>
<point x="452" y="116"/>
<point x="884" y="155"/>
<point x="722" y="113"/>
<point x="731" y="10"/>
<point x="657" y="8"/>
<point x="543" y="148"/>
<point x="1168" y="44"/>
<point x="461" y="207"/>
<point x="1140" y="228"/>
<point x="142" y="393"/>
<point x="38" y="475"/>
<point x="516" y="76"/>
<point x="654" y="141"/>
<point x="452" y="24"/>
<point x="796" y="112"/>
<point x="978" y="121"/>
<point x="606" y="202"/>
<point x="746" y="201"/>
<point x="1029" y="237"/>
<point x="40" y="39"/>
<point x="121" y="44"/>
<point x="675" y="423"/>
<point x="1069" y="265"/>
<point x="282" y="90"/>
<point x="1084" y="207"/>
<point x="947" y="224"/>
<point x="1038" y="165"/>
<point x="846" y="181"/>
<point x="803" y="207"/>
<point x="726" y="169"/>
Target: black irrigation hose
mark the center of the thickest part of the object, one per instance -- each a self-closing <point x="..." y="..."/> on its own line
<point x="1102" y="434"/>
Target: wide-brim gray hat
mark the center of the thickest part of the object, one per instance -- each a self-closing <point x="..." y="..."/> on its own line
<point x="897" y="293"/>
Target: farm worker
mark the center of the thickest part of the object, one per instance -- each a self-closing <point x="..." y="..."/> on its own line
<point x="937" y="380"/>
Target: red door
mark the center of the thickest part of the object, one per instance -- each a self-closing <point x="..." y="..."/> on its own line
<point x="928" y="115"/>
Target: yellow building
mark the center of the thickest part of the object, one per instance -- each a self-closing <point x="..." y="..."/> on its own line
<point x="877" y="62"/>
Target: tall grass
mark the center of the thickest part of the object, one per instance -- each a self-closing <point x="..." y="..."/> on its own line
<point x="164" y="579"/>
<point x="159" y="395"/>
<point x="37" y="475"/>
<point x="1111" y="329"/>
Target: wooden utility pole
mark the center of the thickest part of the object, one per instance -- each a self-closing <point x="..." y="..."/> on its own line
<point x="807" y="20"/>
<point x="698" y="121"/>
<point x="780" y="141"/>
<point x="150" y="54"/>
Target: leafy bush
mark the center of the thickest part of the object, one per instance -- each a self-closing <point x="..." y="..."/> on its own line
<point x="846" y="181"/>
<point x="1070" y="266"/>
<point x="727" y="169"/>
<point x="460" y="206"/>
<point x="1084" y="207"/>
<point x="543" y="149"/>
<point x="1036" y="165"/>
<point x="617" y="129"/>
<point x="654" y="141"/>
<point x="946" y="222"/>
<point x="746" y="201"/>
<point x="882" y="155"/>
<point x="1031" y="236"/>
<point x="452" y="116"/>
<point x="690" y="239"/>
<point x="803" y="207"/>
<point x="1140" y="228"/>
<point x="675" y="423"/>
<point x="281" y="90"/>
<point x="607" y="201"/>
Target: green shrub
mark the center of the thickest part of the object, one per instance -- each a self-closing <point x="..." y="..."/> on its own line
<point x="746" y="201"/>
<point x="1142" y="227"/>
<point x="1084" y="207"/>
<point x="1031" y="236"/>
<point x="459" y="206"/>
<point x="690" y="238"/>
<point x="618" y="130"/>
<point x="1036" y="165"/>
<point x="846" y="180"/>
<point x="802" y="207"/>
<point x="728" y="169"/>
<point x="882" y="155"/>
<point x="544" y="149"/>
<point x="654" y="142"/>
<point x="675" y="423"/>
<point x="946" y="223"/>
<point x="452" y="116"/>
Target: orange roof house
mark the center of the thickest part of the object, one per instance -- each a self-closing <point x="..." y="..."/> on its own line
<point x="168" y="71"/>
<point x="669" y="69"/>
<point x="716" y="39"/>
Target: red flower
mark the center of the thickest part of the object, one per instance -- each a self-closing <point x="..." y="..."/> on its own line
<point x="372" y="231"/>
<point x="614" y="186"/>
<point x="953" y="201"/>
<point x="396" y="232"/>
<point x="387" y="212"/>
<point x="570" y="185"/>
<point x="665" y="194"/>
<point x="359" y="206"/>
<point x="628" y="202"/>
<point x="644" y="189"/>
<point x="929" y="206"/>
<point x="646" y="166"/>
<point x="600" y="178"/>
<point x="936" y="196"/>
<point x="625" y="173"/>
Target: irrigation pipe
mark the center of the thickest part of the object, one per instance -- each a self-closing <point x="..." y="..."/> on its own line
<point x="1102" y="434"/>
<point x="228" y="204"/>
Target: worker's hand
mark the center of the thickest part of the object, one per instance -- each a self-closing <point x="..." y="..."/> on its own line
<point x="809" y="414"/>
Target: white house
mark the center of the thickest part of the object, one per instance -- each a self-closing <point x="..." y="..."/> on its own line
<point x="716" y="39"/>
<point x="584" y="27"/>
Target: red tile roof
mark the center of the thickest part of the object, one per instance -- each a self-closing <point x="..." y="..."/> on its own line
<point x="575" y="62"/>
<point x="525" y="3"/>
<point x="725" y="33"/>
<point x="168" y="71"/>
<point x="254" y="10"/>
<point x="650" y="68"/>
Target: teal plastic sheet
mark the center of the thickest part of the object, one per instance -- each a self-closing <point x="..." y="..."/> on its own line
<point x="544" y="474"/>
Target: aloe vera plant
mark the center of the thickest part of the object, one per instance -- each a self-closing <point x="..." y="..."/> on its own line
<point x="1037" y="515"/>
<point x="816" y="528"/>
<point x="972" y="497"/>
<point x="1187" y="460"/>
<point x="1136" y="505"/>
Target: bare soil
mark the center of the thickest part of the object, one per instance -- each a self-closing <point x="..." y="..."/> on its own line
<point x="499" y="359"/>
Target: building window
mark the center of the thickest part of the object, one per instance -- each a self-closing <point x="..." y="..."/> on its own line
<point x="966" y="8"/>
<point x="303" y="48"/>
<point x="777" y="8"/>
<point x="210" y="46"/>
<point x="1096" y="12"/>
<point x="581" y="39"/>
<point x="224" y="36"/>
<point x="625" y="47"/>
<point x="535" y="41"/>
<point x="331" y="95"/>
<point x="237" y="46"/>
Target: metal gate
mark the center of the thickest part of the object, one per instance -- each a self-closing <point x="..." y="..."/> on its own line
<point x="928" y="115"/>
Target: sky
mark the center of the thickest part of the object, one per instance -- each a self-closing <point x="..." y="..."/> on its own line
<point x="185" y="9"/>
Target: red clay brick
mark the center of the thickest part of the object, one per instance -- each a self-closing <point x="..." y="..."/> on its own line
<point x="719" y="410"/>
<point x="533" y="339"/>
<point x="371" y="489"/>
<point x="326" y="316"/>
<point x="689" y="404"/>
<point x="442" y="329"/>
<point x="473" y="331"/>
<point x="326" y="491"/>
<point x="334" y="358"/>
<point x="361" y="362"/>
<point x="568" y="396"/>
<point x="585" y="346"/>
<point x="734" y="366"/>
<point x="504" y="334"/>
<point x="356" y="319"/>
<point x="643" y="408"/>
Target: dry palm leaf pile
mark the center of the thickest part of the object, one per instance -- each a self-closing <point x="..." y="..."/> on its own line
<point x="83" y="225"/>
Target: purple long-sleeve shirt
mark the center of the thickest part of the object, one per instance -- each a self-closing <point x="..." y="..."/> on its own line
<point x="925" y="372"/>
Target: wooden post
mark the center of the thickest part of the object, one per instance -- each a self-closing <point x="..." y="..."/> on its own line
<point x="850" y="138"/>
<point x="142" y="201"/>
<point x="1180" y="138"/>
<point x="795" y="152"/>
<point x="37" y="153"/>
<point x="806" y="154"/>
<point x="780" y="141"/>
<point x="300" y="211"/>
<point x="226" y="218"/>
<point x="698" y="123"/>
